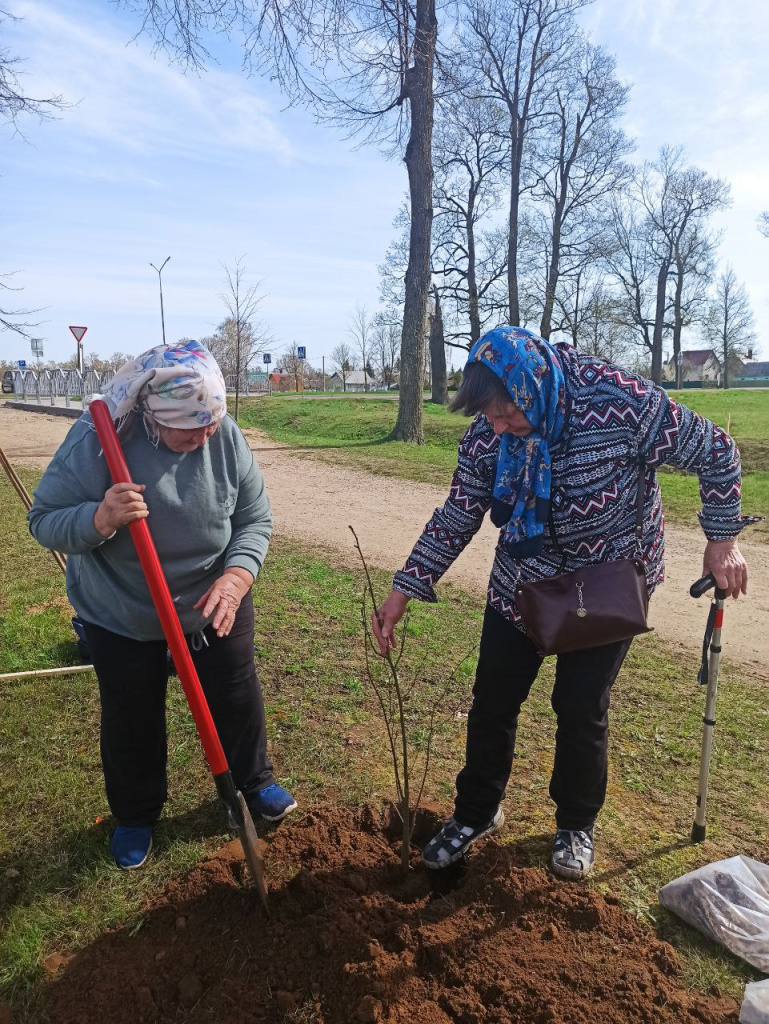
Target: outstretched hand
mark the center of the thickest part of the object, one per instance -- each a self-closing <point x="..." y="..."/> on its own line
<point x="223" y="597"/>
<point x="725" y="561"/>
<point x="386" y="617"/>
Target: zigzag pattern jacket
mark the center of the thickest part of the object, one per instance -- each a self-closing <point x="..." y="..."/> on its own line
<point x="615" y="422"/>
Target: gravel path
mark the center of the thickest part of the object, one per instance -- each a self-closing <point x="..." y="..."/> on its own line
<point x="314" y="502"/>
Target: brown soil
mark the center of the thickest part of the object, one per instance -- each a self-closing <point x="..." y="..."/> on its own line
<point x="350" y="940"/>
<point x="315" y="501"/>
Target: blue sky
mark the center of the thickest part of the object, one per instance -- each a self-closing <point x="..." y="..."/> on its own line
<point x="206" y="168"/>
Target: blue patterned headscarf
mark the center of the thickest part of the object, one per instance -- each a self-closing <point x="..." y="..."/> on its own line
<point x="530" y="370"/>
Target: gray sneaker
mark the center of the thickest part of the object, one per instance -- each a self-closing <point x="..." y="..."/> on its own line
<point x="454" y="840"/>
<point x="573" y="853"/>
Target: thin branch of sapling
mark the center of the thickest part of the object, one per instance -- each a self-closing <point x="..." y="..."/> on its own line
<point x="387" y="716"/>
<point x="405" y="799"/>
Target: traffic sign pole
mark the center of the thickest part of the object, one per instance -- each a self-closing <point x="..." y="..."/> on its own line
<point x="78" y="333"/>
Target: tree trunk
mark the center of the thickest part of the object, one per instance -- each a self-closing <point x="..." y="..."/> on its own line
<point x="440" y="389"/>
<point x="419" y="89"/>
<point x="659" y="321"/>
<point x="678" y="323"/>
<point x="553" y="271"/>
<point x="472" y="279"/>
<point x="512" y="237"/>
<point x="726" y="342"/>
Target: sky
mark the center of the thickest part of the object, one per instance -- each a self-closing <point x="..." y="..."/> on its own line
<point x="205" y="168"/>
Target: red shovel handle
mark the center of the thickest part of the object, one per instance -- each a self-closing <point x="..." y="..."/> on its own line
<point x="161" y="597"/>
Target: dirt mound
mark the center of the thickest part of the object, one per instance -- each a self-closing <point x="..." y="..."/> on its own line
<point x="350" y="940"/>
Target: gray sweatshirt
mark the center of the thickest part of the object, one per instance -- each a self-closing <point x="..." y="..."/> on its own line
<point x="208" y="510"/>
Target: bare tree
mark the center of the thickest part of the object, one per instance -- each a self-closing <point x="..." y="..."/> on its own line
<point x="763" y="223"/>
<point x="694" y="265"/>
<point x="676" y="199"/>
<point x="242" y="337"/>
<point x="386" y="346"/>
<point x="365" y="65"/>
<point x="519" y="45"/>
<point x="652" y="221"/>
<point x="15" y="102"/>
<point x="729" y="324"/>
<point x="361" y="330"/>
<point x="291" y="363"/>
<point x="343" y="360"/>
<point x="470" y="157"/>
<point x="15" y="320"/>
<point x="580" y="161"/>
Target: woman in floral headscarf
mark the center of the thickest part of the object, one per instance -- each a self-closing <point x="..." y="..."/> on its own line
<point x="557" y="447"/>
<point x="198" y="483"/>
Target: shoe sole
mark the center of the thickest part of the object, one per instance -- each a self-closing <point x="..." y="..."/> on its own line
<point x="135" y="867"/>
<point x="571" y="874"/>
<point x="282" y="815"/>
<point x="458" y="854"/>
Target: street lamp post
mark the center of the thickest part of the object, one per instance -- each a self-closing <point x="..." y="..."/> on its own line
<point x="160" y="282"/>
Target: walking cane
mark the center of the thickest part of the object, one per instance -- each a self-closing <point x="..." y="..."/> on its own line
<point x="708" y="676"/>
<point x="161" y="597"/>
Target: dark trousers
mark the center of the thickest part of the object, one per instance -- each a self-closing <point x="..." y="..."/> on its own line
<point x="507" y="667"/>
<point x="132" y="685"/>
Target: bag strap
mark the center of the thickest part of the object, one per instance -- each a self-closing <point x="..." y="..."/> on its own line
<point x="639" y="519"/>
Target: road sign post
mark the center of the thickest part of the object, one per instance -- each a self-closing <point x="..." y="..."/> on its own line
<point x="78" y="333"/>
<point x="301" y="352"/>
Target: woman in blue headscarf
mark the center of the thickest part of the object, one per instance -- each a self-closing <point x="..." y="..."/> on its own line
<point x="555" y="454"/>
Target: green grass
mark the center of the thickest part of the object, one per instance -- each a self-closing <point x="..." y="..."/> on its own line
<point x="354" y="431"/>
<point x="328" y="745"/>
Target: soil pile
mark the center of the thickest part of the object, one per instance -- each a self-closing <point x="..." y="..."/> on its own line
<point x="350" y="940"/>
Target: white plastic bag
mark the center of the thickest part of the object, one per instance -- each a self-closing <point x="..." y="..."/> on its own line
<point x="729" y="902"/>
<point x="755" y="1006"/>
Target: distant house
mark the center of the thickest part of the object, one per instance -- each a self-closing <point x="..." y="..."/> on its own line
<point x="282" y="381"/>
<point x="754" y="371"/>
<point x="355" y="380"/>
<point x="699" y="364"/>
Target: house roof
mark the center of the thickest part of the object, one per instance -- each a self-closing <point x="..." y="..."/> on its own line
<point x="356" y="377"/>
<point x="698" y="356"/>
<point x="754" y="370"/>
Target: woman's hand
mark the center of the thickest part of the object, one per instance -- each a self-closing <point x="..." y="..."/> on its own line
<point x="122" y="504"/>
<point x="386" y="618"/>
<point x="223" y="597"/>
<point x="730" y="570"/>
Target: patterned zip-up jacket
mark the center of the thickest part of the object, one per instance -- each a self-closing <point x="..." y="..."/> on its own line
<point x="614" y="421"/>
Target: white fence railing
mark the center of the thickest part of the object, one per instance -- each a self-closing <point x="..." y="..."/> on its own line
<point x="40" y="385"/>
<point x="37" y="385"/>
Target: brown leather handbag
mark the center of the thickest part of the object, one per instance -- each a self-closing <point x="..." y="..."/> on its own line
<point x="599" y="604"/>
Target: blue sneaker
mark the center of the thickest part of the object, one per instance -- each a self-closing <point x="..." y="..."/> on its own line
<point x="272" y="803"/>
<point x="131" y="847"/>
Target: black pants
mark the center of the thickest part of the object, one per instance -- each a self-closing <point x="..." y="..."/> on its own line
<point x="507" y="667"/>
<point x="132" y="685"/>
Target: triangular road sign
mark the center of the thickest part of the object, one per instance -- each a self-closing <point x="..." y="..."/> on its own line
<point x="78" y="332"/>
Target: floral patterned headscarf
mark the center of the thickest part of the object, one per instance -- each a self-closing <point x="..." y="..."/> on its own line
<point x="530" y="370"/>
<point x="180" y="386"/>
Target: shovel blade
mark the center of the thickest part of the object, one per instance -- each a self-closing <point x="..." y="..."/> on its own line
<point x="252" y="852"/>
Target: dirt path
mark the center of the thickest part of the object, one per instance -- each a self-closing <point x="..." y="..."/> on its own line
<point x="315" y="502"/>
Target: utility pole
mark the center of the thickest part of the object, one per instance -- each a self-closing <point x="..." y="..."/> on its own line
<point x="160" y="282"/>
<point x="324" y="372"/>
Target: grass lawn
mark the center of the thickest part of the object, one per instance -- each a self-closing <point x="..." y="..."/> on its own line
<point x="353" y="431"/>
<point x="59" y="889"/>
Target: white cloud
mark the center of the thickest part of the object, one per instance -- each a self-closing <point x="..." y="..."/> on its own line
<point x="129" y="98"/>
